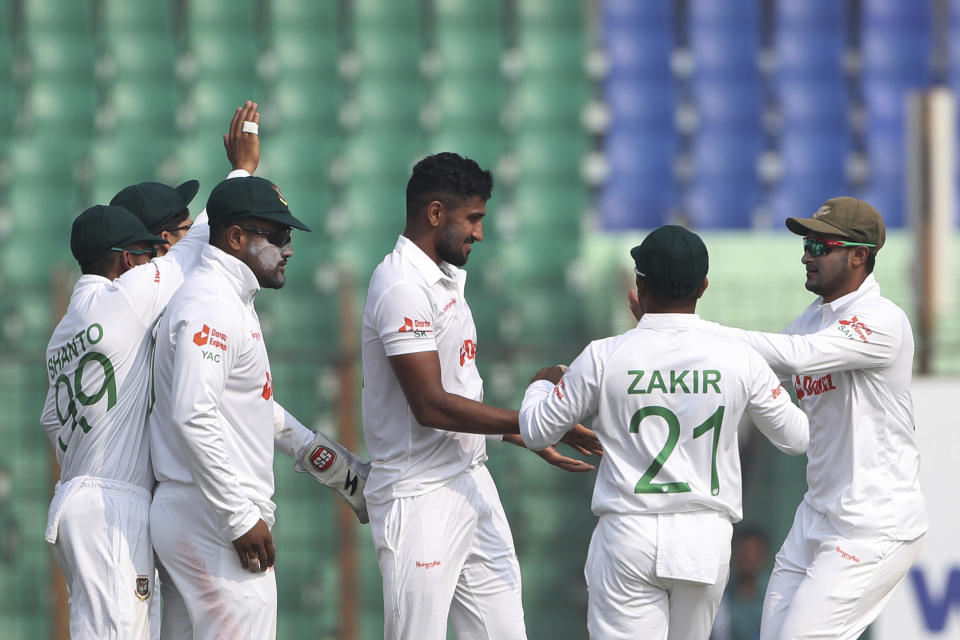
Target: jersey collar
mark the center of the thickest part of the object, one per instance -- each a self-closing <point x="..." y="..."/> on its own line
<point x="430" y="270"/>
<point x="869" y="287"/>
<point x="668" y="320"/>
<point x="238" y="274"/>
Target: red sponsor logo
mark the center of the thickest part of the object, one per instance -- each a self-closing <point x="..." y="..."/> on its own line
<point x="777" y="392"/>
<point x="847" y="556"/>
<point x="214" y="338"/>
<point x="156" y="276"/>
<point x="419" y="328"/>
<point x="809" y="386"/>
<point x="255" y="335"/>
<point x="855" y="326"/>
<point x="267" y="388"/>
<point x="468" y="351"/>
<point x="428" y="565"/>
<point x="558" y="390"/>
<point x="452" y="302"/>
<point x="322" y="457"/>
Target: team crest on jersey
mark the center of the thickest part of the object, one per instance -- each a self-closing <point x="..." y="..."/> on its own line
<point x="419" y="328"/>
<point x="854" y="328"/>
<point x="322" y="457"/>
<point x="143" y="587"/>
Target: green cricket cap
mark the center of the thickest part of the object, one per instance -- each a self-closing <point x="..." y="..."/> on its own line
<point x="237" y="198"/>
<point x="850" y="218"/>
<point x="672" y="260"/>
<point x="101" y="228"/>
<point x="155" y="203"/>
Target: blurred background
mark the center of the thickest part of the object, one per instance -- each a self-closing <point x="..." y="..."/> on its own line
<point x="600" y="119"/>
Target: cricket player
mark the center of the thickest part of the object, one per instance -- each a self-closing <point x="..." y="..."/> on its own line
<point x="850" y="358"/>
<point x="665" y="399"/>
<point x="215" y="425"/>
<point x="164" y="210"/>
<point x="443" y="543"/>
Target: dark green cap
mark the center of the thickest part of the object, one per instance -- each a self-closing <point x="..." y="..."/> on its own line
<point x="237" y="198"/>
<point x="155" y="203"/>
<point x="673" y="261"/>
<point x="847" y="217"/>
<point x="101" y="228"/>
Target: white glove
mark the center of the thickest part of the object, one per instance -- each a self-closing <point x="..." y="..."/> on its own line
<point x="339" y="470"/>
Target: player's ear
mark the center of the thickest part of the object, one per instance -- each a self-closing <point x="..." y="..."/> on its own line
<point x="858" y="257"/>
<point x="703" y="287"/>
<point x="435" y="211"/>
<point x="235" y="238"/>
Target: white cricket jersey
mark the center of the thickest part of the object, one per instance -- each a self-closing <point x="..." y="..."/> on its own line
<point x="213" y="423"/>
<point x="665" y="399"/>
<point x="98" y="366"/>
<point x="415" y="305"/>
<point x="851" y="362"/>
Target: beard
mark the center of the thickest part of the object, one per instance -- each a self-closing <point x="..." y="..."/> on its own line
<point x="450" y="249"/>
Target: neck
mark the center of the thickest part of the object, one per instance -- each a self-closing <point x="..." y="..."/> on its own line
<point x="849" y="288"/>
<point x="423" y="238"/>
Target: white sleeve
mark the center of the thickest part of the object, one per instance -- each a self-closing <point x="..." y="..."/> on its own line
<point x="866" y="340"/>
<point x="51" y="424"/>
<point x="772" y="410"/>
<point x="289" y="434"/>
<point x="403" y="317"/>
<point x="197" y="388"/>
<point x="549" y="411"/>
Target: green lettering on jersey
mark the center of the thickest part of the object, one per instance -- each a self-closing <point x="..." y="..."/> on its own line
<point x="638" y="374"/>
<point x="678" y="380"/>
<point x="656" y="382"/>
<point x="711" y="378"/>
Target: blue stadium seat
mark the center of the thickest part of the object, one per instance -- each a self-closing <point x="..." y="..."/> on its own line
<point x="637" y="15"/>
<point x="728" y="104"/>
<point x="807" y="153"/>
<point x="815" y="53"/>
<point x="896" y="14"/>
<point x="885" y="103"/>
<point x="722" y="204"/>
<point x="813" y="104"/>
<point x="800" y="198"/>
<point x="729" y="52"/>
<point x="641" y="156"/>
<point x="888" y="199"/>
<point x="727" y="154"/>
<point x="627" y="205"/>
<point x="897" y="54"/>
<point x="886" y="155"/>
<point x="733" y="13"/>
<point x="640" y="102"/>
<point x="643" y="52"/>
<point x="811" y="14"/>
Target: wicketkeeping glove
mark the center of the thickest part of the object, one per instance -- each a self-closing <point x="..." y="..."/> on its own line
<point x="337" y="469"/>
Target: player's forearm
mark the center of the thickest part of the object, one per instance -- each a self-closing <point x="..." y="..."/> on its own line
<point x="450" y="412"/>
<point x="540" y="424"/>
<point x="785" y="426"/>
<point x="289" y="435"/>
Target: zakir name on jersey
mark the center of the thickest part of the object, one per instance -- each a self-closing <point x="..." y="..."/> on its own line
<point x="656" y="381"/>
<point x="66" y="353"/>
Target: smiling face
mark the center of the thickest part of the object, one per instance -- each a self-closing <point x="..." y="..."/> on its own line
<point x="461" y="227"/>
<point x="266" y="260"/>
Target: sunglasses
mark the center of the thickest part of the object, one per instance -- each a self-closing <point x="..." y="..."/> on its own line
<point x="153" y="252"/>
<point x="279" y="237"/>
<point x="185" y="227"/>
<point x="817" y="247"/>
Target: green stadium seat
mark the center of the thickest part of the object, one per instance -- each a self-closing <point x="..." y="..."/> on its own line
<point x="543" y="317"/>
<point x="307" y="55"/>
<point x="22" y="261"/>
<point x="49" y="158"/>
<point x="461" y="105"/>
<point x="62" y="107"/>
<point x="142" y="18"/>
<point x="553" y="155"/>
<point x="552" y="13"/>
<point x="392" y="104"/>
<point x="205" y="17"/>
<point x="375" y="212"/>
<point x="203" y="159"/>
<point x="560" y="206"/>
<point x="537" y="260"/>
<point x="388" y="158"/>
<point x="116" y="162"/>
<point x="30" y="324"/>
<point x="57" y="17"/>
<point x="299" y="158"/>
<point x="553" y="102"/>
<point x="304" y="105"/>
<point x="45" y="208"/>
<point x="300" y="322"/>
<point x="392" y="53"/>
<point x="470" y="50"/>
<point x="288" y="16"/>
<point x="141" y="57"/>
<point x="211" y="104"/>
<point x="60" y="56"/>
<point x="554" y="52"/>
<point x="225" y="56"/>
<point x="467" y="13"/>
<point x="396" y="15"/>
<point x="144" y="109"/>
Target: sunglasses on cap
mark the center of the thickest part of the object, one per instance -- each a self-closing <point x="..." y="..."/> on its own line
<point x="153" y="252"/>
<point x="279" y="237"/>
<point x="817" y="247"/>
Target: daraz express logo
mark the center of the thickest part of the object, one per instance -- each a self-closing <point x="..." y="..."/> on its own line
<point x="214" y="338"/>
<point x="854" y="326"/>
<point x="419" y="328"/>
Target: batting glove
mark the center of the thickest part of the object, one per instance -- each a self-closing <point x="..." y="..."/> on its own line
<point x="338" y="469"/>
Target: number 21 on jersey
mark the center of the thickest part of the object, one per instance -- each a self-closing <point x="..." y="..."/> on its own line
<point x="646" y="483"/>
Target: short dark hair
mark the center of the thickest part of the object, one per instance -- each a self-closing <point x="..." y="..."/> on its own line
<point x="172" y="223"/>
<point x="101" y="266"/>
<point x="448" y="178"/>
<point x="871" y="261"/>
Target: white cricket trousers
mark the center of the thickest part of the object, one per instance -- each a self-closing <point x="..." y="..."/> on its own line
<point x="100" y="536"/>
<point x="656" y="576"/>
<point x="445" y="553"/>
<point x="207" y="594"/>
<point x="830" y="587"/>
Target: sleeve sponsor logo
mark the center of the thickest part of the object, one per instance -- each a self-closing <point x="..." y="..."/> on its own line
<point x="452" y="302"/>
<point x="267" y="388"/>
<point x="558" y="390"/>
<point x="809" y="386"/>
<point x="212" y="337"/>
<point x="854" y="329"/>
<point x="429" y="564"/>
<point x="419" y="328"/>
<point x="322" y="458"/>
<point x="468" y="351"/>
<point x="776" y="392"/>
